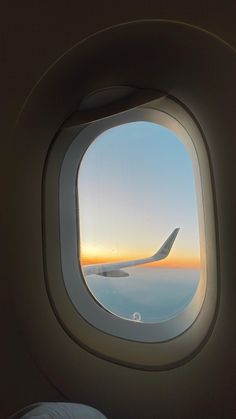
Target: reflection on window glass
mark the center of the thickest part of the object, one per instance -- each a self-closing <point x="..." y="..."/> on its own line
<point x="139" y="233"/>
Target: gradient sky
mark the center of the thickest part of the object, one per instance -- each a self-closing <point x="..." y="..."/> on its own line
<point x="136" y="184"/>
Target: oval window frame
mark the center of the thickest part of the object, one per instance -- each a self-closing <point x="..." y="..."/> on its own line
<point x="167" y="342"/>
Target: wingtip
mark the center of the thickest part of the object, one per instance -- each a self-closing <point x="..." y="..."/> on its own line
<point x="167" y="245"/>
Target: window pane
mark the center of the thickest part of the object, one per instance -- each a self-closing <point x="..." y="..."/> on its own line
<point x="135" y="186"/>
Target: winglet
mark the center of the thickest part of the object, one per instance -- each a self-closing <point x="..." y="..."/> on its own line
<point x="166" y="247"/>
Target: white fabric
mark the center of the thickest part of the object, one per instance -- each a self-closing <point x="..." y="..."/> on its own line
<point x="60" y="411"/>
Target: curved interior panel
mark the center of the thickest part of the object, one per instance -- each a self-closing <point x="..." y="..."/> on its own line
<point x="83" y="363"/>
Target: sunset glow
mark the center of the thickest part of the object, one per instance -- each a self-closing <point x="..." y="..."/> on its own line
<point x="175" y="261"/>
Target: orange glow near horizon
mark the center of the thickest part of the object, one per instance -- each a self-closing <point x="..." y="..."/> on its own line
<point x="177" y="261"/>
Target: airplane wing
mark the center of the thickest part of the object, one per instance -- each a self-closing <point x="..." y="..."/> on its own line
<point x="115" y="269"/>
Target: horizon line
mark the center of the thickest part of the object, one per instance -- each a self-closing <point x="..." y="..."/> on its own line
<point x="165" y="263"/>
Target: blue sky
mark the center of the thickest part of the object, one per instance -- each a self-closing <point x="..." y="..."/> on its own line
<point x="136" y="184"/>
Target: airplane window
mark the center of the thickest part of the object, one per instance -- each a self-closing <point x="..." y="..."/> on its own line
<point x="138" y="222"/>
<point x="134" y="259"/>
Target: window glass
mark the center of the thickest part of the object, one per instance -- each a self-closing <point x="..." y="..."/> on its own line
<point x="136" y="187"/>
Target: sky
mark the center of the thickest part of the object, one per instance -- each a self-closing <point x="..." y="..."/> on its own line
<point x="135" y="185"/>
